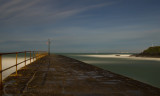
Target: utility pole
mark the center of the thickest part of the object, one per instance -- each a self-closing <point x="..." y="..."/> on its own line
<point x="49" y="47"/>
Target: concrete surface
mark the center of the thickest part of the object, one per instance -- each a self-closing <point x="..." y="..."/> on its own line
<point x="58" y="75"/>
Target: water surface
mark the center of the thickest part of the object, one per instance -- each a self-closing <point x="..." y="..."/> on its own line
<point x="10" y="60"/>
<point x="142" y="69"/>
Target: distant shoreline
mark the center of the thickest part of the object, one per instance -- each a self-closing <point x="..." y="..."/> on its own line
<point x="123" y="56"/>
<point x="149" y="56"/>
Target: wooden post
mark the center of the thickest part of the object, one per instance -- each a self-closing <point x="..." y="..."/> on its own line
<point x="49" y="47"/>
<point x="36" y="55"/>
<point x="16" y="63"/>
<point x="33" y="55"/>
<point x="1" y="84"/>
<point x="25" y="58"/>
<point x="30" y="56"/>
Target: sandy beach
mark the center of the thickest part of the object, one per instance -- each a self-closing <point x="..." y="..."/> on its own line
<point x="126" y="56"/>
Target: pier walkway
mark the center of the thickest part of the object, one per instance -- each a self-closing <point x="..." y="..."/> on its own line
<point x="58" y="75"/>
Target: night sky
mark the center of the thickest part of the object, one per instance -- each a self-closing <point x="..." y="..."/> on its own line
<point x="79" y="25"/>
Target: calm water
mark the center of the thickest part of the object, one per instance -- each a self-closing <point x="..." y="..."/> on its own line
<point x="142" y="69"/>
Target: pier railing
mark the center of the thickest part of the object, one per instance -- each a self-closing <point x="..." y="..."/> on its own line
<point x="33" y="55"/>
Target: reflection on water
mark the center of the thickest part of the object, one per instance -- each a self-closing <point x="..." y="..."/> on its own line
<point x="141" y="69"/>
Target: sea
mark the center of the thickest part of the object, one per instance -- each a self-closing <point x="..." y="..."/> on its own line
<point x="143" y="69"/>
<point x="10" y="60"/>
<point x="139" y="68"/>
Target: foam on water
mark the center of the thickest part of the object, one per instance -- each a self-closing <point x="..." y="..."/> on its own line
<point x="10" y="61"/>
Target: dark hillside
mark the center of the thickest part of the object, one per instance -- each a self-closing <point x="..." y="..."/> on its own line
<point x="151" y="52"/>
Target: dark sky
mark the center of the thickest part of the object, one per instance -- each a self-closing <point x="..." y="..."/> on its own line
<point x="79" y="25"/>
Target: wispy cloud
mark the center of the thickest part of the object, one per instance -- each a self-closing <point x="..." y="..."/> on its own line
<point x="9" y="5"/>
<point x="78" y="24"/>
<point x="13" y="7"/>
<point x="73" y="11"/>
<point x="23" y="11"/>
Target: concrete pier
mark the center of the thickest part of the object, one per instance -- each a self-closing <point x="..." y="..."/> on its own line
<point x="58" y="75"/>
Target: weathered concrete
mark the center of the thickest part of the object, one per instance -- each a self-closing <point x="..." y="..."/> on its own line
<point x="57" y="75"/>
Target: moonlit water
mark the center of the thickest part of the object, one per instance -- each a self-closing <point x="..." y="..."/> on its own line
<point x="9" y="60"/>
<point x="139" y="68"/>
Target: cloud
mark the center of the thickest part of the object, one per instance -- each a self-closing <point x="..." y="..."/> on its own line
<point x="13" y="7"/>
<point x="71" y="12"/>
<point x="75" y="24"/>
<point x="23" y="12"/>
<point x="9" y="4"/>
